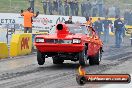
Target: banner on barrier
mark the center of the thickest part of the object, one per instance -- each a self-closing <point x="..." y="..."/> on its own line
<point x="39" y="23"/>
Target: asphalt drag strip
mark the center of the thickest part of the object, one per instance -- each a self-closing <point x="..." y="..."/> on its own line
<point x="30" y="75"/>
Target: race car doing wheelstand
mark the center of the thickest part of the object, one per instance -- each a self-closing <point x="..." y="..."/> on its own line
<point x="69" y="42"/>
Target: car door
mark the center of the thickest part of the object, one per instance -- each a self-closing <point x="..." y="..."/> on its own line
<point x="96" y="43"/>
<point x="91" y="42"/>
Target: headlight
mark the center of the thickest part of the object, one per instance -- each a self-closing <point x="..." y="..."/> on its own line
<point x="76" y="41"/>
<point x="39" y="40"/>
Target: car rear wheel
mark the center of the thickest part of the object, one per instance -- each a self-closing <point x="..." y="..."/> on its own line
<point x="40" y="58"/>
<point x="56" y="60"/>
<point x="96" y="60"/>
<point x="83" y="57"/>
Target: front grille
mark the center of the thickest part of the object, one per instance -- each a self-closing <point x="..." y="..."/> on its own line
<point x="58" y="41"/>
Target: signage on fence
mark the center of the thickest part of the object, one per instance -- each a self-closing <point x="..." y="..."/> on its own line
<point x="42" y="22"/>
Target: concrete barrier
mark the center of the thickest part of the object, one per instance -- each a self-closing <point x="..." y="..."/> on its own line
<point x="21" y="44"/>
<point x="3" y="50"/>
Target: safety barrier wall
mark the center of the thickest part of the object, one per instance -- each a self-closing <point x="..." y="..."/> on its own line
<point x="3" y="50"/>
<point x="21" y="44"/>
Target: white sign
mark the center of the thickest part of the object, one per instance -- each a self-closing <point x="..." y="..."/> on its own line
<point x="42" y="22"/>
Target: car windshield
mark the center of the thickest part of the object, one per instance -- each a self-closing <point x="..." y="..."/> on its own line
<point x="73" y="29"/>
<point x="77" y="29"/>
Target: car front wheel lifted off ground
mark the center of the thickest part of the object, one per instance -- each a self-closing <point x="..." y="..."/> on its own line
<point x="40" y="58"/>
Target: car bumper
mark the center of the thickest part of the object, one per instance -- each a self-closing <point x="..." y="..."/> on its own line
<point x="70" y="48"/>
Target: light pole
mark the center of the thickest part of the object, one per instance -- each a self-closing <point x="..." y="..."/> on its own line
<point x="32" y="4"/>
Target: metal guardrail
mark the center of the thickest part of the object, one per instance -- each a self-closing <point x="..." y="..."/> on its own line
<point x="10" y="30"/>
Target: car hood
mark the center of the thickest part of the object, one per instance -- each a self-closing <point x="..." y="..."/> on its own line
<point x="62" y="36"/>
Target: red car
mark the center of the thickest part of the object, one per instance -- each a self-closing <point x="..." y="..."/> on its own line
<point x="69" y="42"/>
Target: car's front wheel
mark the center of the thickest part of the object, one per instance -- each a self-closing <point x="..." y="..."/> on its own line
<point x="83" y="57"/>
<point x="40" y="58"/>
